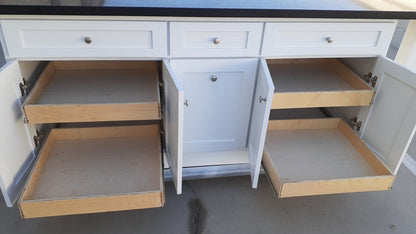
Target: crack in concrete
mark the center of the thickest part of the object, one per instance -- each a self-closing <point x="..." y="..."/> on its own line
<point x="197" y="212"/>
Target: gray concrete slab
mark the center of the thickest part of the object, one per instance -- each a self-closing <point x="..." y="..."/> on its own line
<point x="229" y="205"/>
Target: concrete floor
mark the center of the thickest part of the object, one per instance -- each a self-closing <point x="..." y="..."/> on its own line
<point x="229" y="205"/>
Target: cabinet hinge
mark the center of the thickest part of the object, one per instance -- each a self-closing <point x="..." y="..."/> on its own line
<point x="24" y="87"/>
<point x="37" y="138"/>
<point x="162" y="132"/>
<point x="186" y="103"/>
<point x="370" y="79"/>
<point x="161" y="84"/>
<point x="356" y="124"/>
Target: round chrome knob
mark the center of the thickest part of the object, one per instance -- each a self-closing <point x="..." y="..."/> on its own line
<point x="329" y="39"/>
<point x="213" y="78"/>
<point x="87" y="40"/>
<point x="216" y="41"/>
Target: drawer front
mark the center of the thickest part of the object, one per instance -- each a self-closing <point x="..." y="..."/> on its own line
<point x="74" y="39"/>
<point x="215" y="39"/>
<point x="326" y="39"/>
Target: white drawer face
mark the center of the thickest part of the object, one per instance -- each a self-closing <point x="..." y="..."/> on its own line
<point x="58" y="39"/>
<point x="215" y="39"/>
<point x="326" y="39"/>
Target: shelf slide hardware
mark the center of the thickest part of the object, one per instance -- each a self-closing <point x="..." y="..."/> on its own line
<point x="370" y="79"/>
<point x="355" y="123"/>
<point x="37" y="138"/>
<point x="262" y="99"/>
<point x="24" y="87"/>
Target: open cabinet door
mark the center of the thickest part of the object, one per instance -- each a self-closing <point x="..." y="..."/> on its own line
<point x="263" y="96"/>
<point x="173" y="124"/>
<point x="391" y="122"/>
<point x="16" y="147"/>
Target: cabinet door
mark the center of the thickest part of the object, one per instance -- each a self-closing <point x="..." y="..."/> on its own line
<point x="218" y="94"/>
<point x="16" y="148"/>
<point x="173" y="124"/>
<point x="260" y="116"/>
<point x="391" y="122"/>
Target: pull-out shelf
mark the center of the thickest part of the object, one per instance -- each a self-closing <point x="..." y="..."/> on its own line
<point x="320" y="156"/>
<point x="89" y="170"/>
<point x="304" y="83"/>
<point x="87" y="91"/>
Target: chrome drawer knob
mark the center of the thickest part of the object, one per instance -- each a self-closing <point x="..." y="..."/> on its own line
<point x="214" y="78"/>
<point x="329" y="39"/>
<point x="87" y="40"/>
<point x="216" y="41"/>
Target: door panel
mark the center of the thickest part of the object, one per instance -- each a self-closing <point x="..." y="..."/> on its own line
<point x="259" y="119"/>
<point x="216" y="116"/>
<point x="173" y="124"/>
<point x="391" y="122"/>
<point x="16" y="155"/>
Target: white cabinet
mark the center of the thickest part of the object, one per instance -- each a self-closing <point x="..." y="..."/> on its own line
<point x="210" y="107"/>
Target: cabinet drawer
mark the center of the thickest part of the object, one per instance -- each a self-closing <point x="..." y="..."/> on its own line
<point x="320" y="156"/>
<point x="305" y="83"/>
<point x="326" y="39"/>
<point x="215" y="39"/>
<point x="90" y="170"/>
<point x="84" y="39"/>
<point x="87" y="91"/>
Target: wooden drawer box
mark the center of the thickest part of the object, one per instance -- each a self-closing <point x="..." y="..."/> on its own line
<point x="315" y="39"/>
<point x="89" y="170"/>
<point x="205" y="39"/>
<point x="320" y="156"/>
<point x="304" y="83"/>
<point x="87" y="91"/>
<point x="84" y="39"/>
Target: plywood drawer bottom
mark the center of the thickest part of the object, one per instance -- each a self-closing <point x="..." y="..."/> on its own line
<point x="89" y="170"/>
<point x="320" y="156"/>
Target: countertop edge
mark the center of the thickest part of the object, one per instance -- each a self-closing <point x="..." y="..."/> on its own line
<point x="202" y="12"/>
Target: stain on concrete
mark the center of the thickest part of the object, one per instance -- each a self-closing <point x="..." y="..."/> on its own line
<point x="197" y="212"/>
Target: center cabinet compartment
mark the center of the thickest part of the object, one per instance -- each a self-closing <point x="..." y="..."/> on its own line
<point x="217" y="112"/>
<point x="90" y="91"/>
<point x="95" y="169"/>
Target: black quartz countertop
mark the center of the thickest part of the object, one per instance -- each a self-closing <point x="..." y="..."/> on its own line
<point x="361" y="9"/>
